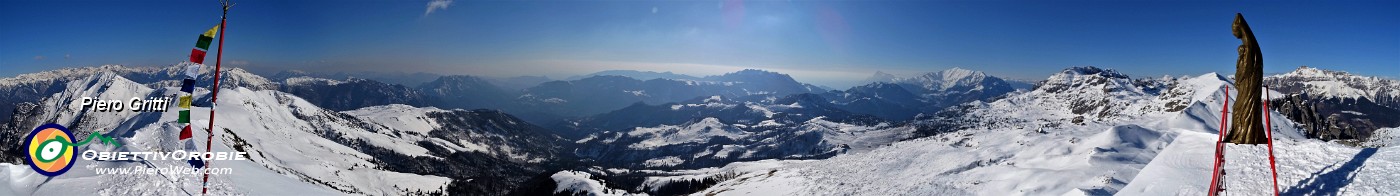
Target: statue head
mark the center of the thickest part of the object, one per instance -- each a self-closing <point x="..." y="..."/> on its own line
<point x="1239" y="26"/>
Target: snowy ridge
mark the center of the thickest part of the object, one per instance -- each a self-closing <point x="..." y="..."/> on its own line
<point x="582" y="183"/>
<point x="104" y="86"/>
<point x="710" y="139"/>
<point x="1335" y="84"/>
<point x="1083" y="94"/>
<point x="293" y="145"/>
<point x="306" y="80"/>
<point x="1094" y="157"/>
<point x="1385" y="137"/>
<point x="262" y="123"/>
<point x="693" y="135"/>
<point x="279" y="130"/>
<point x="951" y="81"/>
<point x="153" y="76"/>
<point x="943" y="80"/>
<point x="693" y="132"/>
<point x="399" y="116"/>
<point x="73" y="73"/>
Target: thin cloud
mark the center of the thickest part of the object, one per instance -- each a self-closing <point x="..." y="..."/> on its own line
<point x="434" y="5"/>
<point x="40" y="58"/>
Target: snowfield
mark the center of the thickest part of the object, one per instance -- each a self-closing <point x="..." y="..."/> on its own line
<point x="1306" y="167"/>
<point x="287" y="156"/>
<point x="1135" y="152"/>
<point x="577" y="182"/>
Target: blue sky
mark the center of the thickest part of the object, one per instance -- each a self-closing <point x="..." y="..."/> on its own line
<point x="823" y="42"/>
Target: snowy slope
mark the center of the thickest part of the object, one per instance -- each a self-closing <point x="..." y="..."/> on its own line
<point x="709" y="141"/>
<point x="277" y="130"/>
<point x="577" y="182"/>
<point x="268" y="122"/>
<point x="1098" y="156"/>
<point x="1306" y="167"/>
<point x="379" y="150"/>
<point x="717" y="130"/>
<point x="277" y="143"/>
<point x="135" y="136"/>
<point x="1387" y="137"/>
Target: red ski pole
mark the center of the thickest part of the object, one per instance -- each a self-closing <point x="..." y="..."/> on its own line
<point x="1270" y="130"/>
<point x="1220" y="145"/>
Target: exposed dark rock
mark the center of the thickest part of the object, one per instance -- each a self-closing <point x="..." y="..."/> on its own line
<point x="1331" y="118"/>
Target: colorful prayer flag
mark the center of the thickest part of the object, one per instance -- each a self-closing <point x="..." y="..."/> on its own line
<point x="185" y="101"/>
<point x="206" y="38"/>
<point x="203" y="42"/>
<point x="197" y="55"/>
<point x="184" y="117"/>
<point x="192" y="69"/>
<point x="186" y="133"/>
<point x="187" y="86"/>
<point x="211" y="32"/>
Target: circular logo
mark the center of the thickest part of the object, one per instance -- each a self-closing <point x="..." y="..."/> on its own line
<point x="49" y="150"/>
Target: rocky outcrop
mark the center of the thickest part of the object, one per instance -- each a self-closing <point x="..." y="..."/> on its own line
<point x="1334" y="118"/>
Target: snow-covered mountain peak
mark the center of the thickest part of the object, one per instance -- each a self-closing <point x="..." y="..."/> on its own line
<point x="237" y="77"/>
<point x="1328" y="83"/>
<point x="754" y="75"/>
<point x="1091" y="70"/>
<point x="63" y="74"/>
<point x="752" y="72"/>
<point x="1087" y="71"/>
<point x="308" y="80"/>
<point x="1085" y="95"/>
<point x="639" y="75"/>
<point x="399" y="116"/>
<point x="876" y="87"/>
<point x="948" y="79"/>
<point x="460" y="79"/>
<point x="880" y="76"/>
<point x="958" y="73"/>
<point x="1313" y="72"/>
<point x="698" y="131"/>
<point x="1088" y="79"/>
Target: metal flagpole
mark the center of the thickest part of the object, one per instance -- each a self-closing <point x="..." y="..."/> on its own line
<point x="214" y="97"/>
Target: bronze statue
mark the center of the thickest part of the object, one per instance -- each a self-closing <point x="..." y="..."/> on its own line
<point x="1247" y="126"/>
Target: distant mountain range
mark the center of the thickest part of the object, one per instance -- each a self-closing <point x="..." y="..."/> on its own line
<point x="639" y="75"/>
<point x="665" y="133"/>
<point x="1335" y="104"/>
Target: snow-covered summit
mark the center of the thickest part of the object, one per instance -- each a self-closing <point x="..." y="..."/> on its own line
<point x="151" y="76"/>
<point x="947" y="79"/>
<point x="1328" y="83"/>
<point x="1088" y="77"/>
<point x="307" y="80"/>
<point x="880" y="76"/>
<point x="1081" y="94"/>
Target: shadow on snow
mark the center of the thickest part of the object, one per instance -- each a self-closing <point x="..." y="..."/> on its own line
<point x="1331" y="182"/>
